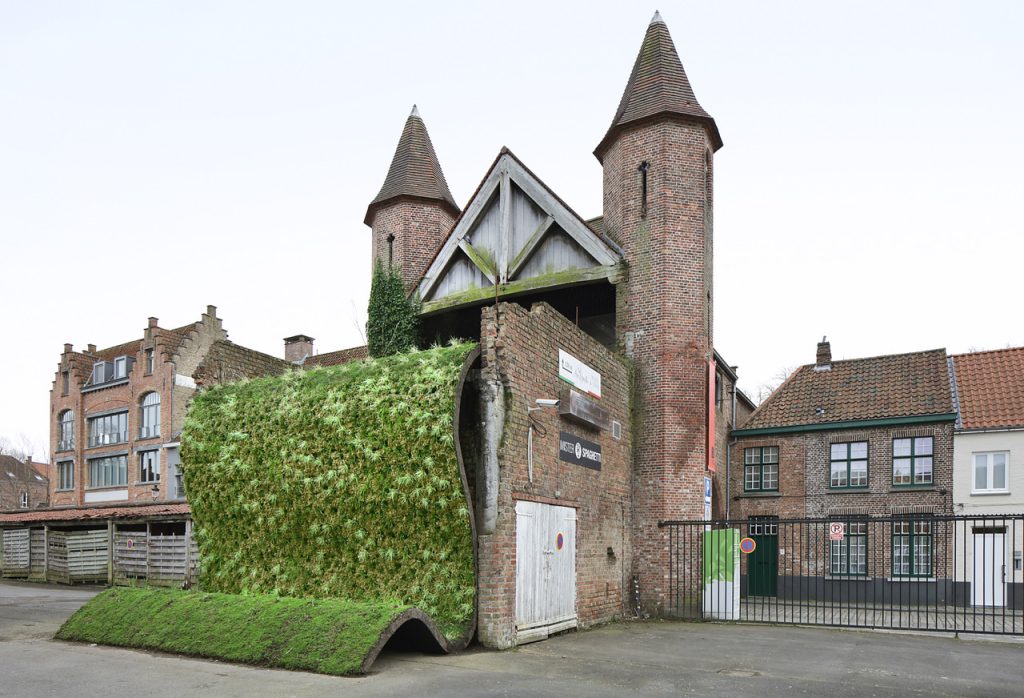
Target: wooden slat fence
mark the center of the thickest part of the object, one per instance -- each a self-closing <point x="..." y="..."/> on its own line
<point x="14" y="561"/>
<point x="37" y="554"/>
<point x="129" y="556"/>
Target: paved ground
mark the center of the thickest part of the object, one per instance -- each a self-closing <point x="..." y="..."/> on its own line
<point x="651" y="658"/>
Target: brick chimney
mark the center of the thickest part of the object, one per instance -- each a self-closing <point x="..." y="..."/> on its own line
<point x="297" y="348"/>
<point x="824" y="358"/>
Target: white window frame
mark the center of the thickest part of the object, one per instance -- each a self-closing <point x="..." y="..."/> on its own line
<point x="23" y="503"/>
<point x="66" y="431"/>
<point x="149" y="415"/>
<point x="988" y="467"/>
<point x="154" y="466"/>
<point x="65" y="475"/>
<point x="120" y="367"/>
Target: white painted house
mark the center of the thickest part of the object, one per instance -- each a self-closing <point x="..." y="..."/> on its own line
<point x="988" y="474"/>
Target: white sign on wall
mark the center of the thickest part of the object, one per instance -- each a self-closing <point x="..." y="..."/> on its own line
<point x="578" y="374"/>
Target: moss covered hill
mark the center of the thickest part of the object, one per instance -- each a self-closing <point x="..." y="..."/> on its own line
<point x="336" y="482"/>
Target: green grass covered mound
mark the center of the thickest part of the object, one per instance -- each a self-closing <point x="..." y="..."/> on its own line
<point x="330" y="636"/>
<point x="336" y="482"/>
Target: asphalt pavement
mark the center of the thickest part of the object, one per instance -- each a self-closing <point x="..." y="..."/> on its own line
<point x="646" y="658"/>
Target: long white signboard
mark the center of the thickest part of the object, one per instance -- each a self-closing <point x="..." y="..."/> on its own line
<point x="578" y="374"/>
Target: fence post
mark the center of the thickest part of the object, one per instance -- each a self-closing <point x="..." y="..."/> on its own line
<point x="110" y="552"/>
<point x="188" y="552"/>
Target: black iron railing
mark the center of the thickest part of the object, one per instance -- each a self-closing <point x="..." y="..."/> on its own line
<point x="913" y="571"/>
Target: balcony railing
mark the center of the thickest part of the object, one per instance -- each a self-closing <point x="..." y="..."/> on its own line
<point x="148" y="432"/>
<point x="117" y="437"/>
<point x="66" y="445"/>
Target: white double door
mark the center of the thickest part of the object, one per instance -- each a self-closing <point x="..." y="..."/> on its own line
<point x="988" y="586"/>
<point x="545" y="569"/>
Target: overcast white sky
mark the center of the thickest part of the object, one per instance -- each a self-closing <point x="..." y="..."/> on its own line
<point x="156" y="157"/>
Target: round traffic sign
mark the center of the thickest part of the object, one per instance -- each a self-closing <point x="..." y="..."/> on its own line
<point x="748" y="545"/>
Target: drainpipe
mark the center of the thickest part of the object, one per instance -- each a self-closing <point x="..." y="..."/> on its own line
<point x="728" y="453"/>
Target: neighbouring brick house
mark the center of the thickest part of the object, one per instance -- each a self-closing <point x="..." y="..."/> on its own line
<point x="988" y="472"/>
<point x="115" y="481"/>
<point x="23" y="485"/>
<point x="851" y="441"/>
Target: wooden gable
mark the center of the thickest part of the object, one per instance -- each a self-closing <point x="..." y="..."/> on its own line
<point x="517" y="234"/>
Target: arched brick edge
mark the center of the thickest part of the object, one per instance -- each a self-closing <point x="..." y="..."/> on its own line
<point x="413" y="615"/>
<point x="467" y="636"/>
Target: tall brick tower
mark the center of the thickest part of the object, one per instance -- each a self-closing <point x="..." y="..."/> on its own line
<point x="414" y="210"/>
<point x="657" y="159"/>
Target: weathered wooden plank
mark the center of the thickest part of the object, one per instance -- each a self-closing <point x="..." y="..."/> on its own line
<point x="531" y="243"/>
<point x="505" y="208"/>
<point x="477" y="259"/>
<point x="16" y="558"/>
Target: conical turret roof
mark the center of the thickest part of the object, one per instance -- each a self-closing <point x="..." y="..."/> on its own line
<point x="415" y="171"/>
<point x="658" y="85"/>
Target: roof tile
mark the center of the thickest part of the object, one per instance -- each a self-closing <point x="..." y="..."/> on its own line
<point x="881" y="387"/>
<point x="990" y="387"/>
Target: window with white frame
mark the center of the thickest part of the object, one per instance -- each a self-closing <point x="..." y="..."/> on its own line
<point x="149" y="466"/>
<point x="149" y="362"/>
<point x="120" y="367"/>
<point x="912" y="461"/>
<point x="109" y="471"/>
<point x="149" y="416"/>
<point x="65" y="475"/>
<point x="991" y="472"/>
<point x="24" y="500"/>
<point x="761" y="469"/>
<point x="66" y="431"/>
<point x="108" y="429"/>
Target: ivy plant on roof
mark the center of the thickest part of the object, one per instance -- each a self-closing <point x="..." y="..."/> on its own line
<point x="336" y="482"/>
<point x="393" y="318"/>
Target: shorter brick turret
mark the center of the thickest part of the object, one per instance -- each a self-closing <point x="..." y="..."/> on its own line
<point x="414" y="210"/>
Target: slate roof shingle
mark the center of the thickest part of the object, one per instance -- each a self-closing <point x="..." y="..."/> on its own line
<point x="880" y="387"/>
<point x="657" y="85"/>
<point x="990" y="387"/>
<point x="415" y="170"/>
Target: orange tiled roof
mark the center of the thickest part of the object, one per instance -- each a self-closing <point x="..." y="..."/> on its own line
<point x="881" y="387"/>
<point x="990" y="388"/>
<point x="101" y="512"/>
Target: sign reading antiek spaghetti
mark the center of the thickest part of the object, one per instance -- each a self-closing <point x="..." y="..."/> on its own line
<point x="578" y="374"/>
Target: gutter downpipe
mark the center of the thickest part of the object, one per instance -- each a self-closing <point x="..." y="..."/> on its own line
<point x="728" y="455"/>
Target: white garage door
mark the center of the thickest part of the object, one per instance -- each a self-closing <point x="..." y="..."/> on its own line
<point x="545" y="570"/>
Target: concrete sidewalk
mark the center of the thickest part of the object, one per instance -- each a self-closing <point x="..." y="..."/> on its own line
<point x="649" y="658"/>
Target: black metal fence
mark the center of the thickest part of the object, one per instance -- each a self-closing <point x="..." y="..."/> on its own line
<point x="910" y="572"/>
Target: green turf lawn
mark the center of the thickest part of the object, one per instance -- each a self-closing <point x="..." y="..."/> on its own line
<point x="330" y="636"/>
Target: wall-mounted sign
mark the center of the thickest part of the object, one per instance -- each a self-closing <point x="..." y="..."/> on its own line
<point x="578" y="374"/>
<point x="707" y="498"/>
<point x="836" y="530"/>
<point x="580" y="408"/>
<point x="573" y="449"/>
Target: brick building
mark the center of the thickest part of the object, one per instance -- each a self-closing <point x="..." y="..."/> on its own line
<point x="115" y="418"/>
<point x="597" y="410"/>
<point x="850" y="441"/>
<point x="23" y="485"/>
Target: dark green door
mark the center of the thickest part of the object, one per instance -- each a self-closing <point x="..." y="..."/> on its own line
<point x="763" y="566"/>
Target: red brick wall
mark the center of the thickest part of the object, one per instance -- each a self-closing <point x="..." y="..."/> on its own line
<point x="523" y="346"/>
<point x="419" y="228"/>
<point x="804" y="468"/>
<point x="664" y="320"/>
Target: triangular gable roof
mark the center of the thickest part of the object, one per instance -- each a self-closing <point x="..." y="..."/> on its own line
<point x="514" y="229"/>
